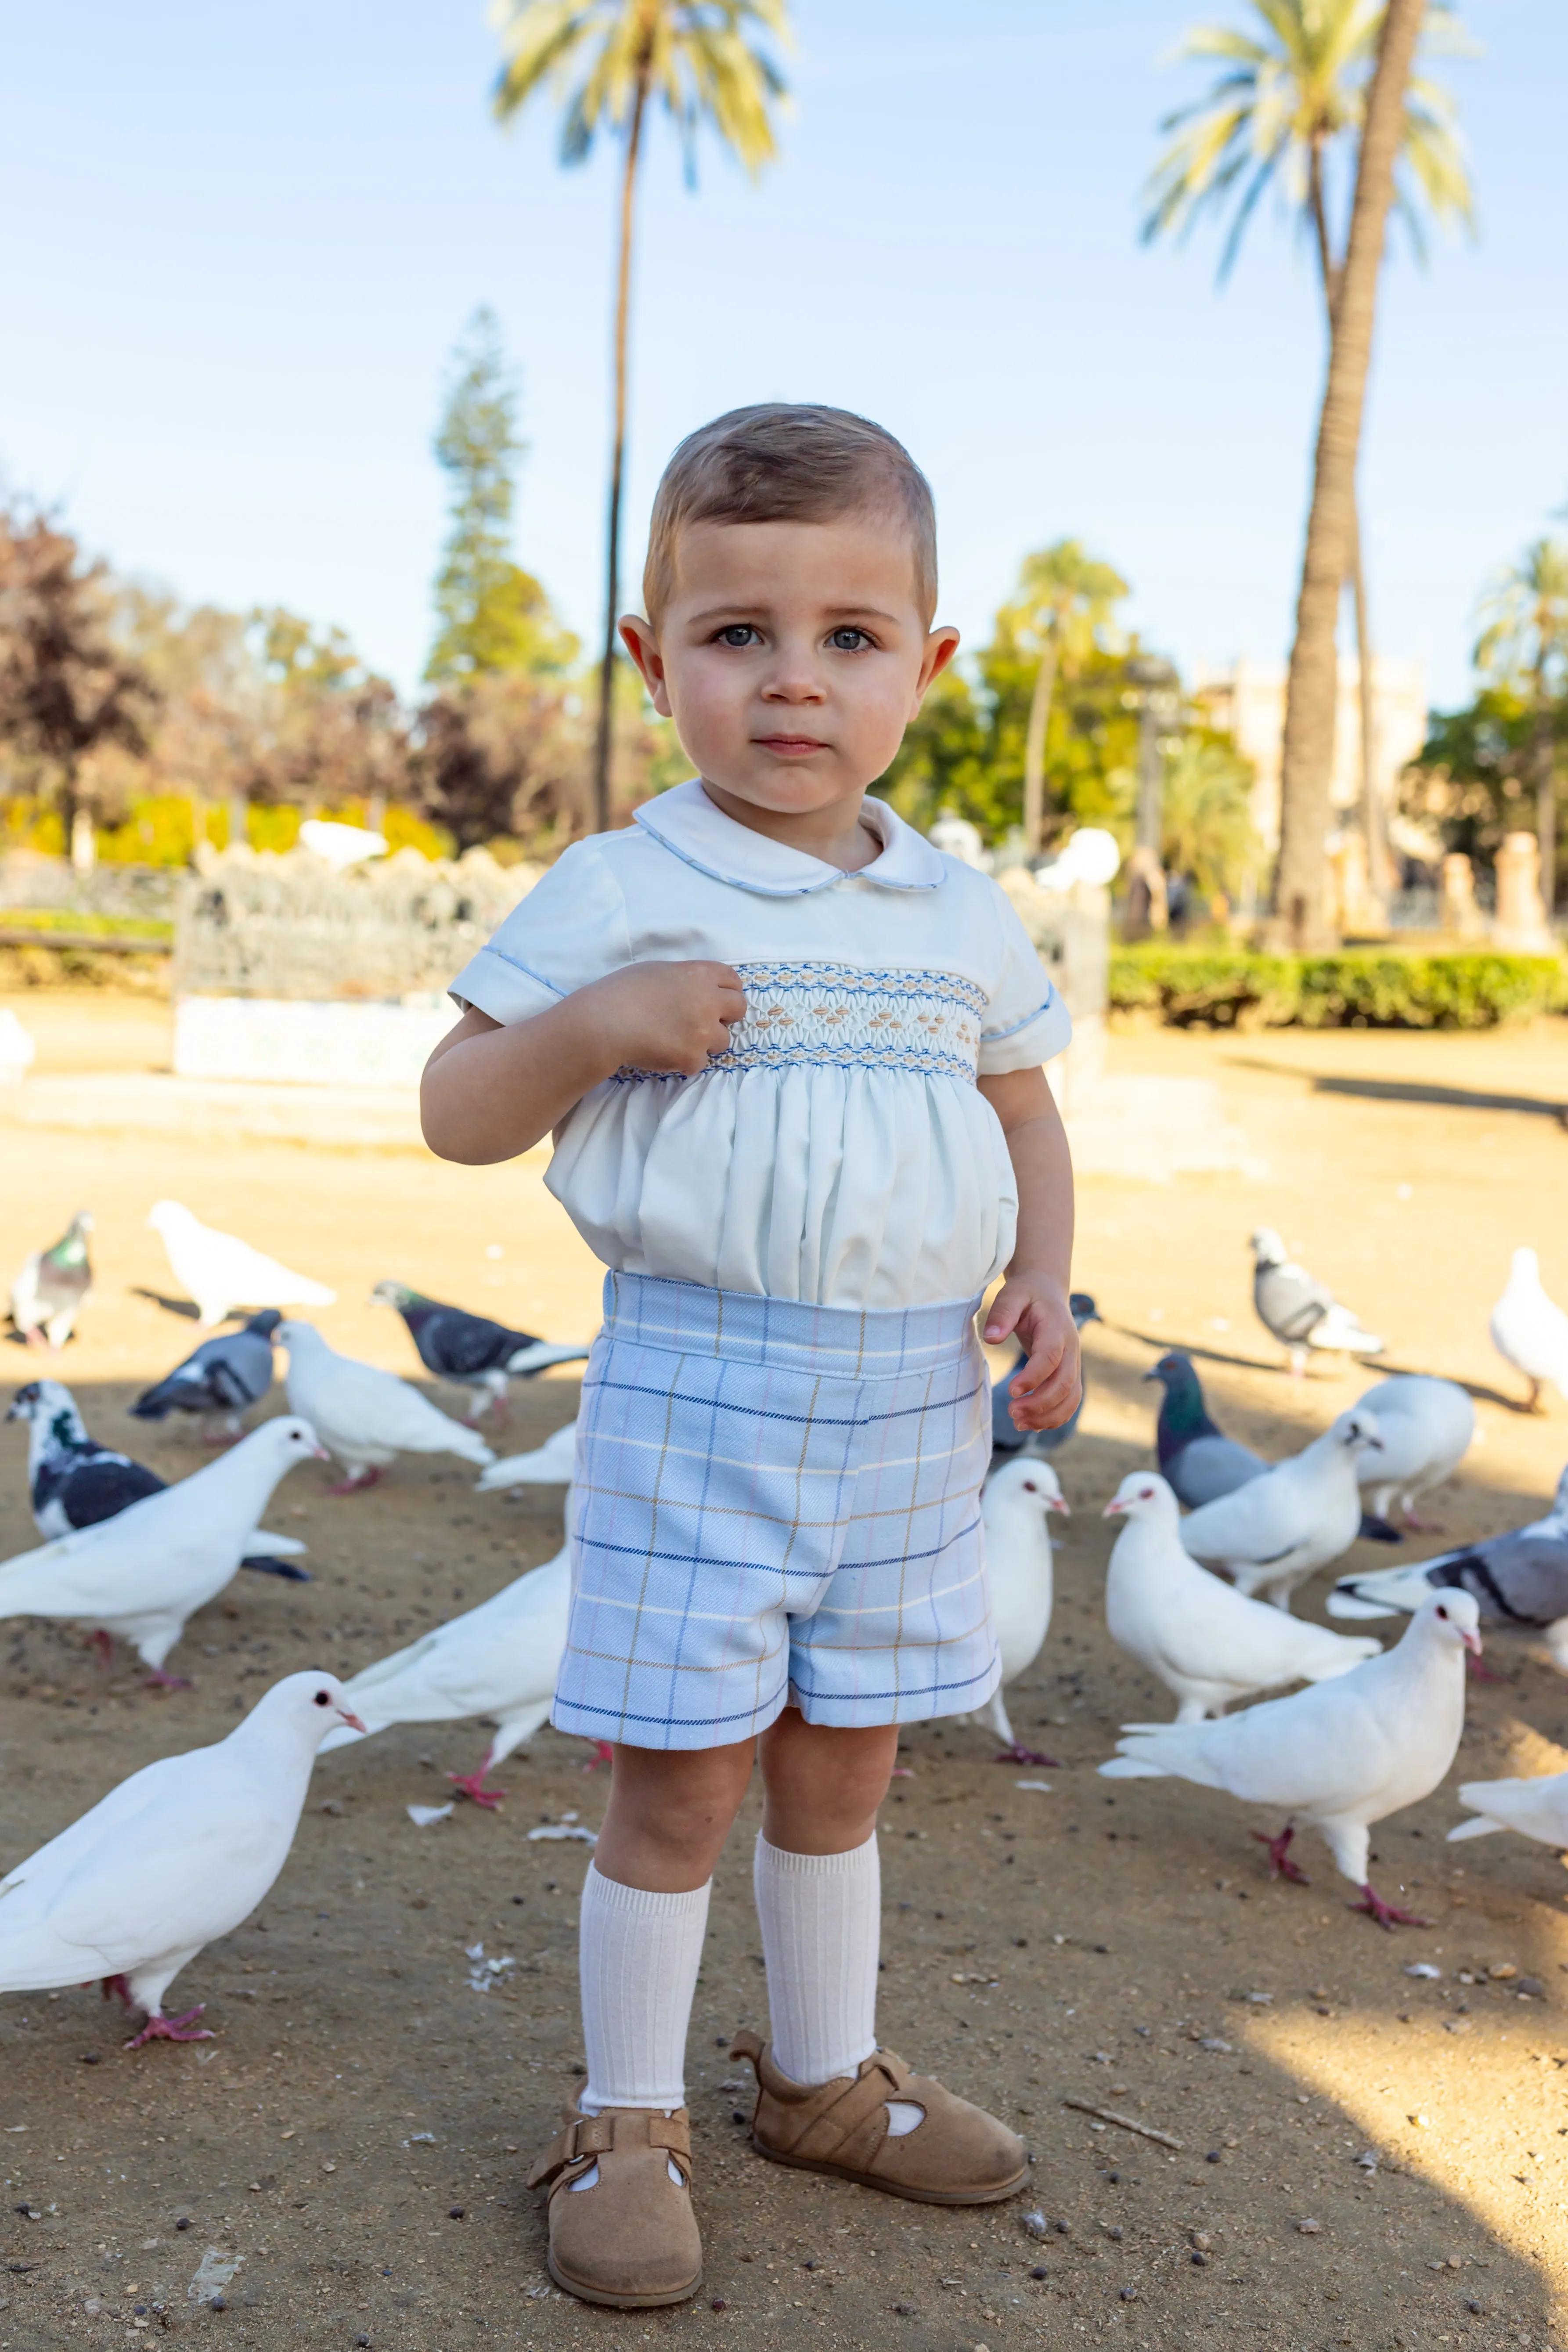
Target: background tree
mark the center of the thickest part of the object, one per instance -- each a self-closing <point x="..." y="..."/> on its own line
<point x="1524" y="645"/>
<point x="492" y="617"/>
<point x="1061" y="611"/>
<point x="1302" y="917"/>
<point x="1208" y="836"/>
<point x="1285" y="109"/>
<point x="610" y="59"/>
<point x="66" y="688"/>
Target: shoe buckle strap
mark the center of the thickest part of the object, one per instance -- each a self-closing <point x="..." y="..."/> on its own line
<point x="584" y="2137"/>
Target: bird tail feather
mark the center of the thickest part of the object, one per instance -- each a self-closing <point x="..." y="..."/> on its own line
<point x="1482" y="1826"/>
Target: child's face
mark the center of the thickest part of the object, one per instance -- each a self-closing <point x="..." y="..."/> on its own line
<point x="792" y="656"/>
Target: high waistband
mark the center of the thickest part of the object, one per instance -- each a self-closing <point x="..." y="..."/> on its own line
<point x="842" y="1342"/>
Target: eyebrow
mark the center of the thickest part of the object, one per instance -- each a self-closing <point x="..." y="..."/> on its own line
<point x="838" y="614"/>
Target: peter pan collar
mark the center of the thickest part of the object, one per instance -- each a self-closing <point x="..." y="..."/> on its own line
<point x="696" y="830"/>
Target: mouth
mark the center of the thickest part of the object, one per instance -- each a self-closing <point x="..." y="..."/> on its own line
<point x="789" y="747"/>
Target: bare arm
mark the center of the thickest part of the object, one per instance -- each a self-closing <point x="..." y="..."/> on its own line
<point x="1032" y="1299"/>
<point x="489" y="1092"/>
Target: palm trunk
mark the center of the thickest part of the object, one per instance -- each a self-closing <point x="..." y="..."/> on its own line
<point x="602" y="740"/>
<point x="1545" y="788"/>
<point x="1301" y="918"/>
<point x="1035" y="747"/>
<point x="1371" y="823"/>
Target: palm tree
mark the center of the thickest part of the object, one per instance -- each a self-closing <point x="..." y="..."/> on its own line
<point x="610" y="59"/>
<point x="1064" y="599"/>
<point x="1287" y="99"/>
<point x="1525" y="643"/>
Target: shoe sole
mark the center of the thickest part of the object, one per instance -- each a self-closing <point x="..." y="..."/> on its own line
<point x="586" y="2293"/>
<point x="895" y="2188"/>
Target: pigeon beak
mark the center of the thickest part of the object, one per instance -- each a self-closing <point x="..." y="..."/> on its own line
<point x="1058" y="1503"/>
<point x="1113" y="1510"/>
<point x="320" y="1453"/>
<point x="352" y="1720"/>
<point x="1149" y="1376"/>
<point x="1472" y="1641"/>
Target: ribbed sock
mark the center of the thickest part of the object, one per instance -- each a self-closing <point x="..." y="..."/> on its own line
<point x="821" y="1918"/>
<point x="637" y="1959"/>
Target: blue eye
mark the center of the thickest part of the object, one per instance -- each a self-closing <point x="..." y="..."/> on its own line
<point x="847" y="641"/>
<point x="740" y="634"/>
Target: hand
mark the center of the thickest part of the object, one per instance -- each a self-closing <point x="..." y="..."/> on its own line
<point x="663" y="1016"/>
<point x="1048" y="1385"/>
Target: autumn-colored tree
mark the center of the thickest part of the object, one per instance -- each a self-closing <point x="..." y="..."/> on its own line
<point x="66" y="688"/>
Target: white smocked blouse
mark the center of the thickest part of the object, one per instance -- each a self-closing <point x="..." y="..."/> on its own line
<point x="840" y="1151"/>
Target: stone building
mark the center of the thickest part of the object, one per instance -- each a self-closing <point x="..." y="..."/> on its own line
<point x="1247" y="702"/>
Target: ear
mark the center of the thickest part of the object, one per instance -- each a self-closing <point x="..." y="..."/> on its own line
<point x="940" y="645"/>
<point x="641" y="642"/>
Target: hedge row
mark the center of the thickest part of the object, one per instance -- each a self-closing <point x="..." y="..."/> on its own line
<point x="1371" y="989"/>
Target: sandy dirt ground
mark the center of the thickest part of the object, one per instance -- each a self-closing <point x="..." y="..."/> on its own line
<point x="1353" y="2157"/>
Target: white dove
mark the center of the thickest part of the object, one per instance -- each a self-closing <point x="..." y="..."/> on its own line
<point x="1427" y="1426"/>
<point x="1204" y="1641"/>
<point x="499" y="1659"/>
<point x="1530" y="1329"/>
<point x="549" y="1464"/>
<point x="1277" y="1530"/>
<point x="1016" y="1503"/>
<point x="143" y="1574"/>
<point x="364" y="1415"/>
<point x="221" y="1272"/>
<point x="1536" y="1808"/>
<point x="175" y="1856"/>
<point x="1338" y="1755"/>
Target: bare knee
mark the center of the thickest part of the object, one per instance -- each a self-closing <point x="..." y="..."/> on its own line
<point x="670" y="1813"/>
<point x="823" y="1784"/>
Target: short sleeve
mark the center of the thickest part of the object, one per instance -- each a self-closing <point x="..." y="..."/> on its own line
<point x="1026" y="1022"/>
<point x="570" y="928"/>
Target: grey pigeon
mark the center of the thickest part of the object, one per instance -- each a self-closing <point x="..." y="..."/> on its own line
<point x="469" y="1349"/>
<point x="72" y="1482"/>
<point x="1198" y="1461"/>
<point x="223" y="1377"/>
<point x="1518" y="1578"/>
<point x="52" y="1288"/>
<point x="1006" y="1439"/>
<point x="1302" y="1312"/>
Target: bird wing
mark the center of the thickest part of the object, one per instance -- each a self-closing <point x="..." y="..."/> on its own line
<point x="462" y="1345"/>
<point x="1289" y="1300"/>
<point x="549" y="1464"/>
<point x="1207" y="1467"/>
<point x="501" y="1656"/>
<point x="249" y="1276"/>
<point x="174" y="1856"/>
<point x="1538" y="1807"/>
<point x="1325" y="1749"/>
<point x="1258" y="1522"/>
<point x="360" y="1402"/>
<point x="24" y="1291"/>
<point x="102" y="1489"/>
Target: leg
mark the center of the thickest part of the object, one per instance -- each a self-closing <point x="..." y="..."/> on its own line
<point x="104" y="1642"/>
<point x="366" y="1475"/>
<point x="1533" y="1404"/>
<point x="1387" y="1915"/>
<point x="1279" y="1862"/>
<point x="173" y="2029"/>
<point x="472" y="1784"/>
<point x="159" y="1680"/>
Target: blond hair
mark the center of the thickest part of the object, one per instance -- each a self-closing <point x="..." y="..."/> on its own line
<point x="788" y="461"/>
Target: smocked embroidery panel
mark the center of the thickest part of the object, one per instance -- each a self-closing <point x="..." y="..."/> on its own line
<point x="836" y="1016"/>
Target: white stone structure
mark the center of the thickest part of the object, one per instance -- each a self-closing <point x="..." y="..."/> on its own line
<point x="1247" y="702"/>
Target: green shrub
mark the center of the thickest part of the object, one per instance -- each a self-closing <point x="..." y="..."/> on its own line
<point x="1367" y="989"/>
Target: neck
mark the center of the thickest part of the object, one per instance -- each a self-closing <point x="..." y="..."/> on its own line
<point x="837" y="832"/>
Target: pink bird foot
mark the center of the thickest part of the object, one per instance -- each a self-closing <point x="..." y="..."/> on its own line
<point x="1387" y="1915"/>
<point x="172" y="2028"/>
<point x="1279" y="1862"/>
<point x="159" y="1680"/>
<point x="356" y="1481"/>
<point x="104" y="1644"/>
<point x="1017" y="1755"/>
<point x="602" y="1754"/>
<point x="1480" y="1672"/>
<point x="117" y="1987"/>
<point x="473" y="1786"/>
<point x="1421" y="1527"/>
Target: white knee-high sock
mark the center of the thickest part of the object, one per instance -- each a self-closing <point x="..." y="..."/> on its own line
<point x="821" y="1918"/>
<point x="638" y="1959"/>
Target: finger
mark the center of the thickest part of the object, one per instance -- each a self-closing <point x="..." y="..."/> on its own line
<point x="1046" y="1359"/>
<point x="1049" y="1407"/>
<point x="1002" y="1317"/>
<point x="1047" y="1393"/>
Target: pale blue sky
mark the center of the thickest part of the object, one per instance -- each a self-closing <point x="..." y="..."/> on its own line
<point x="242" y="242"/>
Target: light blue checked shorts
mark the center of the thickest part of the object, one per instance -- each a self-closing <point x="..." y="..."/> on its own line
<point x="774" y="1501"/>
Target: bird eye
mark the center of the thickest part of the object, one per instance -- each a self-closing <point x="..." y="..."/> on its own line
<point x="1443" y="1613"/>
<point x="323" y="1699"/>
<point x="1145" y="1493"/>
<point x="1030" y="1488"/>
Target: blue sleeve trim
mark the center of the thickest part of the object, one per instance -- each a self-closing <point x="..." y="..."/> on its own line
<point x="996" y="1036"/>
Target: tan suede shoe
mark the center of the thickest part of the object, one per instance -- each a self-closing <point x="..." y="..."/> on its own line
<point x="630" y="2240"/>
<point x="957" y="2156"/>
